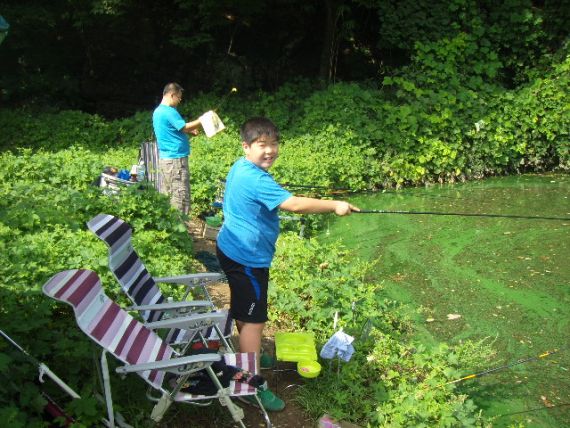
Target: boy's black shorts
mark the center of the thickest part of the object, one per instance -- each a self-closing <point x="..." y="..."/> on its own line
<point x="248" y="287"/>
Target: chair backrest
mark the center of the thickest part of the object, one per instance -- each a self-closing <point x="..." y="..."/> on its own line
<point x="125" y="263"/>
<point x="149" y="156"/>
<point x="134" y="278"/>
<point x="107" y="324"/>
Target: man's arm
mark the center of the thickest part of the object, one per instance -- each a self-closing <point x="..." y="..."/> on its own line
<point x="191" y="127"/>
<point x="301" y="205"/>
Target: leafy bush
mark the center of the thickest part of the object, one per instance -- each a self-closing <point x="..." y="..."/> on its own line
<point x="527" y="130"/>
<point x="45" y="199"/>
<point x="443" y="118"/>
<point x="389" y="381"/>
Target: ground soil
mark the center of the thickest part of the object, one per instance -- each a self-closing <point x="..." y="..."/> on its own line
<point x="283" y="379"/>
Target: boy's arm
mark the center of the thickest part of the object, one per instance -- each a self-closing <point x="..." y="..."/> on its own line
<point x="301" y="205"/>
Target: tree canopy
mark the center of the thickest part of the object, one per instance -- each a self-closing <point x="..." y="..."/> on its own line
<point x="113" y="56"/>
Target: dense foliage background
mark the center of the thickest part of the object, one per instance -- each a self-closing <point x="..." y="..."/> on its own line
<point x="367" y="95"/>
<point x="113" y="56"/>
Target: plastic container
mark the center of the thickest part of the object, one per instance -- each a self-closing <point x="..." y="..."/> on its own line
<point x="124" y="174"/>
<point x="308" y="369"/>
<point x="141" y="172"/>
<point x="214" y="221"/>
<point x="295" y="347"/>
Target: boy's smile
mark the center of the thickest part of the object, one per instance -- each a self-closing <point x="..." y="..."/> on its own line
<point x="262" y="152"/>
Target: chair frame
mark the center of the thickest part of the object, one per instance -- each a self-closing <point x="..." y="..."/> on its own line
<point x="141" y="350"/>
<point x="143" y="290"/>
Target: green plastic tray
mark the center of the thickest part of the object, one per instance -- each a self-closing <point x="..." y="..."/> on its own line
<point x="295" y="347"/>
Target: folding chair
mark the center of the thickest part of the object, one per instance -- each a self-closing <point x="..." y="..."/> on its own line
<point x="149" y="158"/>
<point x="143" y="351"/>
<point x="141" y="288"/>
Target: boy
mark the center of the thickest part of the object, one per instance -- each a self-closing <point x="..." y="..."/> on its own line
<point x="246" y="242"/>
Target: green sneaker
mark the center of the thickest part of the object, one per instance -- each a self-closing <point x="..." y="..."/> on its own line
<point x="266" y="361"/>
<point x="268" y="399"/>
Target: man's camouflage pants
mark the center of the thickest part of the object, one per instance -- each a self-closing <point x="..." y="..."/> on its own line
<point x="176" y="182"/>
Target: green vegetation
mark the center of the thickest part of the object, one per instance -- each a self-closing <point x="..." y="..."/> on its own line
<point x="48" y="194"/>
<point x="505" y="278"/>
<point x="464" y="90"/>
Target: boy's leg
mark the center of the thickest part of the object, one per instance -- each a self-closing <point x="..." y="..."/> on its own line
<point x="248" y="287"/>
<point x="250" y="335"/>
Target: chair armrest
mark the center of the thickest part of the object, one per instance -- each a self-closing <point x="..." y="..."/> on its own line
<point x="191" y="322"/>
<point x="191" y="280"/>
<point x="178" y="366"/>
<point x="178" y="307"/>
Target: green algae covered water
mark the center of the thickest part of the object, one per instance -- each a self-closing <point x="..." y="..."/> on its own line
<point x="499" y="278"/>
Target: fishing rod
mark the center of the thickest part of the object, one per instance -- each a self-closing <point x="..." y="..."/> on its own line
<point x="225" y="98"/>
<point x="310" y="186"/>
<point x="52" y="408"/>
<point x="506" y="366"/>
<point x="534" y="410"/>
<point x="43" y="369"/>
<point x="528" y="217"/>
<point x="326" y="190"/>
<point x="332" y="190"/>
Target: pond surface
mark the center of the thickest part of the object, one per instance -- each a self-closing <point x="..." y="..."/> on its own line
<point x="508" y="279"/>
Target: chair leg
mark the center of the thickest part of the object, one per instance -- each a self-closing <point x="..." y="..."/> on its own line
<point x="107" y="389"/>
<point x="161" y="407"/>
<point x="263" y="412"/>
<point x="167" y="399"/>
<point x="236" y="411"/>
<point x="226" y="342"/>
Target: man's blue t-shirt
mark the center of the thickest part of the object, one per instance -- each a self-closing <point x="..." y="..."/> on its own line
<point x="251" y="218"/>
<point x="172" y="142"/>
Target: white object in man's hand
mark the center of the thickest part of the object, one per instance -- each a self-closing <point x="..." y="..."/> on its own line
<point x="211" y="123"/>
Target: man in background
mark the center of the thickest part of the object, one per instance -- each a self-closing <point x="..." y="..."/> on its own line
<point x="171" y="132"/>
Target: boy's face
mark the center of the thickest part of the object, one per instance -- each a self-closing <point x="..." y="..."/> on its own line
<point x="262" y="152"/>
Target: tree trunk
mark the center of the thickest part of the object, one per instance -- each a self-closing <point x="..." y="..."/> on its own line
<point x="330" y="45"/>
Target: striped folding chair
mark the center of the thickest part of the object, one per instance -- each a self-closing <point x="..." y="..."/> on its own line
<point x="143" y="291"/>
<point x="149" y="157"/>
<point x="142" y="351"/>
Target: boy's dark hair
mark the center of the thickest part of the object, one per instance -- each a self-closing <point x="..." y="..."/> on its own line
<point x="256" y="127"/>
<point x="172" y="88"/>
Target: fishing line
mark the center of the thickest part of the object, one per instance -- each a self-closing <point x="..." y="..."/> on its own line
<point x="340" y="191"/>
<point x="528" y="217"/>
<point x="506" y="366"/>
<point x="327" y="190"/>
<point x="535" y="410"/>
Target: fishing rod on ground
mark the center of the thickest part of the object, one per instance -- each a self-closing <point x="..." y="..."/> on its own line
<point x="505" y="366"/>
<point x="44" y="370"/>
<point x="52" y="408"/>
<point x="527" y="217"/>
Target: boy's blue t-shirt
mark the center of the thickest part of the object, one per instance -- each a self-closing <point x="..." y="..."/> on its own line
<point x="251" y="218"/>
<point x="172" y="142"/>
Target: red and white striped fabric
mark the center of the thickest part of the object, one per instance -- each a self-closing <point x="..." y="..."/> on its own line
<point x="244" y="360"/>
<point x="107" y="324"/>
<point x="123" y="336"/>
<point x="135" y="279"/>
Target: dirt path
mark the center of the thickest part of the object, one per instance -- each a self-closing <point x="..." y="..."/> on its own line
<point x="284" y="380"/>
